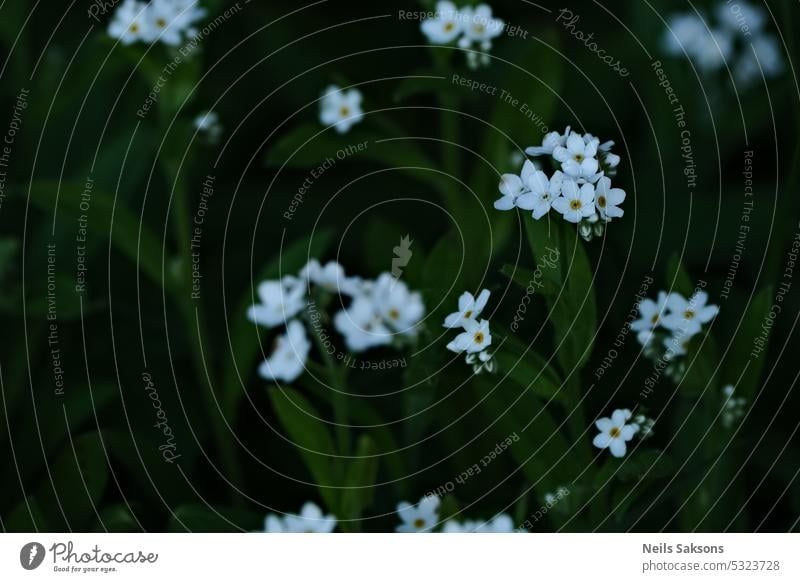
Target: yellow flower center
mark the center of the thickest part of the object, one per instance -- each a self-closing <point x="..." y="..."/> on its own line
<point x="161" y="23"/>
<point x="654" y="319"/>
<point x="575" y="204"/>
<point x="479" y="337"/>
<point x="579" y="158"/>
<point x="394" y="314"/>
<point x="601" y="201"/>
<point x="688" y="314"/>
<point x="419" y="523"/>
<point x="449" y="26"/>
<point x="344" y="111"/>
<point x="614" y="432"/>
<point x="468" y="313"/>
<point x="134" y="28"/>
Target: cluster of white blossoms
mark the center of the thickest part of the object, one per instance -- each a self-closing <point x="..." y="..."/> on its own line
<point x="616" y="431"/>
<point x="167" y="21"/>
<point x="733" y="408"/>
<point x="424" y="517"/>
<point x="340" y="109"/>
<point x="310" y="520"/>
<point x="381" y="312"/>
<point x="579" y="189"/>
<point x="736" y="38"/>
<point x="666" y="326"/>
<point x="471" y="26"/>
<point x="475" y="338"/>
<point x="208" y="124"/>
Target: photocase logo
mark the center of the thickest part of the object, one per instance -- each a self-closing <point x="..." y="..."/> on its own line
<point x="402" y="254"/>
<point x="31" y="555"/>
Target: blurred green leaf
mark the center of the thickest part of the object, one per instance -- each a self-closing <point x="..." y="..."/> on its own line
<point x="360" y="477"/>
<point x="312" y="439"/>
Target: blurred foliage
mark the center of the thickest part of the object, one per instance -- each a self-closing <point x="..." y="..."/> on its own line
<point x="88" y="459"/>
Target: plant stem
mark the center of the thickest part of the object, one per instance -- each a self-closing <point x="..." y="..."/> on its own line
<point x="195" y="323"/>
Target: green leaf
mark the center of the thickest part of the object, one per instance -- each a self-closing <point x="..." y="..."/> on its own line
<point x="530" y="372"/>
<point x="202" y="518"/>
<point x="739" y="361"/>
<point x="572" y="306"/>
<point x="26" y="517"/>
<point x="677" y="278"/>
<point x="310" y="435"/>
<point x="360" y="479"/>
<point x="142" y="248"/>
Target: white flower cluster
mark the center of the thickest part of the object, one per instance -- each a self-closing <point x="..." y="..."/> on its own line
<point x="733" y="408"/>
<point x="580" y="190"/>
<point x="208" y="124"/>
<point x="738" y="40"/>
<point x="424" y="517"/>
<point x="310" y="520"/>
<point x="168" y="21"/>
<point x="473" y="26"/>
<point x="475" y="338"/>
<point x="340" y="109"/>
<point x="667" y="325"/>
<point x="617" y="431"/>
<point x="381" y="312"/>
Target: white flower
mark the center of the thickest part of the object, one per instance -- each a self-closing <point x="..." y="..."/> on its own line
<point x="684" y="34"/>
<point x="475" y="338"/>
<point x="578" y="157"/>
<point x="481" y="361"/>
<point x="651" y="313"/>
<point x="713" y="50"/>
<point x="513" y="186"/>
<point x="420" y="518"/>
<point x="469" y="308"/>
<point x="689" y="316"/>
<point x="480" y="26"/>
<point x="208" y="123"/>
<point x="399" y="307"/>
<point x="542" y="192"/>
<point x="331" y="277"/>
<point x="310" y="520"/>
<point x="280" y="301"/>
<point x="446" y="24"/>
<point x="288" y="358"/>
<point x="128" y="23"/>
<point x="576" y="202"/>
<point x="743" y="14"/>
<point x="615" y="432"/>
<point x="499" y="524"/>
<point x="733" y="408"/>
<point x="551" y="141"/>
<point x="361" y="326"/>
<point x="340" y="109"/>
<point x="608" y="199"/>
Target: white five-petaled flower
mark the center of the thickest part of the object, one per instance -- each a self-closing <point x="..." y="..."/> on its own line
<point x="513" y="186"/>
<point x="418" y="518"/>
<point x="288" y="358"/>
<point x="615" y="432"/>
<point x="578" y="157"/>
<point x="128" y="22"/>
<point x="280" y="301"/>
<point x="542" y="192"/>
<point x="688" y="317"/>
<point x="166" y="21"/>
<point x="480" y="26"/>
<point x="608" y="199"/>
<point x="445" y="26"/>
<point x="469" y="308"/>
<point x="475" y="338"/>
<point x="576" y="201"/>
<point x="499" y="524"/>
<point x="651" y="312"/>
<point x="361" y="325"/>
<point x="340" y="109"/>
<point x="310" y="520"/>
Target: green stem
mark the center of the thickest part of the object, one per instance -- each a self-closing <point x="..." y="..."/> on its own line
<point x="339" y="398"/>
<point x="195" y="323"/>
